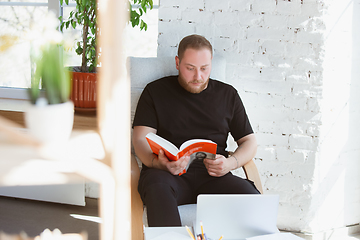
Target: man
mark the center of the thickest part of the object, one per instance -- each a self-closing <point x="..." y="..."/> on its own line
<point x="183" y="107"/>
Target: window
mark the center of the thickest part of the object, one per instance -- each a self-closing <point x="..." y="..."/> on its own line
<point x="15" y="69"/>
<point x="16" y="17"/>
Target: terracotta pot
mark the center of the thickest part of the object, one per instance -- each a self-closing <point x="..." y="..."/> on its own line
<point x="83" y="92"/>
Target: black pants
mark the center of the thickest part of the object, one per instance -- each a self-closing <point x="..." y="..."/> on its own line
<point x="162" y="192"/>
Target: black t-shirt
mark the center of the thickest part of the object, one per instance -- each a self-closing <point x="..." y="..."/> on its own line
<point x="179" y="115"/>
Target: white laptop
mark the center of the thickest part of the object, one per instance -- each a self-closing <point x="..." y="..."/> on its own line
<point x="236" y="216"/>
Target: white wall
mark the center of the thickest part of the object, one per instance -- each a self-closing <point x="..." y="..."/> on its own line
<point x="295" y="65"/>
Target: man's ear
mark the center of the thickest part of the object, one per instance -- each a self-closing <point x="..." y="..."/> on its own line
<point x="177" y="61"/>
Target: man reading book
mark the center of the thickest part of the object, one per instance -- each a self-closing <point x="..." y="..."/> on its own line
<point x="189" y="106"/>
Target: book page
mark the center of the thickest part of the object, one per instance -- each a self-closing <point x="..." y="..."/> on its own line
<point x="192" y="141"/>
<point x="170" y="147"/>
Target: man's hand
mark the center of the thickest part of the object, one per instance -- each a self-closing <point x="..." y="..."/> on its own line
<point x="174" y="167"/>
<point x="220" y="166"/>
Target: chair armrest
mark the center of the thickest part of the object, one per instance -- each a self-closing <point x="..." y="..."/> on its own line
<point x="252" y="174"/>
<point x="136" y="202"/>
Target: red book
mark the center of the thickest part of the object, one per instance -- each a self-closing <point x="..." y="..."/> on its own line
<point x="195" y="148"/>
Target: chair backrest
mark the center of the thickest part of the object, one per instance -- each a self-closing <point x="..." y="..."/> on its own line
<point x="145" y="70"/>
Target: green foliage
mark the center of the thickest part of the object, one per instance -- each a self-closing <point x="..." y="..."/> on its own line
<point x="51" y="75"/>
<point x="85" y="16"/>
<point x="136" y="14"/>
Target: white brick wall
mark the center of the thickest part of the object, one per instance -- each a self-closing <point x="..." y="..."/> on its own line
<point x="295" y="65"/>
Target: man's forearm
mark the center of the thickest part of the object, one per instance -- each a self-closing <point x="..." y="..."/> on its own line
<point x="141" y="146"/>
<point x="143" y="154"/>
<point x="245" y="151"/>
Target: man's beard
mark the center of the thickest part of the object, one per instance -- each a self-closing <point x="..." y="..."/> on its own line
<point x="191" y="89"/>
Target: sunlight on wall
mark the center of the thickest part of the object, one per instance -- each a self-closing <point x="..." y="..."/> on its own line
<point x="330" y="175"/>
<point x="331" y="211"/>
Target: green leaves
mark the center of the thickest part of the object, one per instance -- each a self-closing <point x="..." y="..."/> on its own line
<point x="136" y="14"/>
<point x="52" y="75"/>
<point x="85" y="15"/>
<point x="73" y="23"/>
<point x="79" y="49"/>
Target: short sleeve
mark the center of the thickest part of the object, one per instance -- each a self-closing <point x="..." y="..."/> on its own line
<point x="239" y="125"/>
<point x="145" y="114"/>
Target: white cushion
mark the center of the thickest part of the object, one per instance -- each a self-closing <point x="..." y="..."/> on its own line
<point x="145" y="70"/>
<point x="187" y="215"/>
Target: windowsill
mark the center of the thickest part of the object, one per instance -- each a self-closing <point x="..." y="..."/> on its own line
<point x="14" y="109"/>
<point x="16" y="105"/>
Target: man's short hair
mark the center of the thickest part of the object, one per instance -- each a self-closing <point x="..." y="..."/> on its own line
<point x="194" y="41"/>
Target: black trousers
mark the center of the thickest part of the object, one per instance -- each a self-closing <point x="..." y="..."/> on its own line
<point x="162" y="192"/>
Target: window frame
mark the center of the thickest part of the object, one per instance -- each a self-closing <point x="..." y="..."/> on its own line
<point x="53" y="5"/>
<point x="21" y="93"/>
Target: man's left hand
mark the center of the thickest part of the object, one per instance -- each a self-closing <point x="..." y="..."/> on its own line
<point x="218" y="167"/>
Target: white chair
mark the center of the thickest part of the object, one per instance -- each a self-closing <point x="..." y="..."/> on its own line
<point x="141" y="72"/>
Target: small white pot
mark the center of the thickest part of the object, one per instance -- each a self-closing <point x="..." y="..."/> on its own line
<point x="50" y="123"/>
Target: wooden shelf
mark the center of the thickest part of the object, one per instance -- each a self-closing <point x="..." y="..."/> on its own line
<point x="81" y="122"/>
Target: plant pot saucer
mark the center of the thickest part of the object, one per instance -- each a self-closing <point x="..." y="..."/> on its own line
<point x="85" y="111"/>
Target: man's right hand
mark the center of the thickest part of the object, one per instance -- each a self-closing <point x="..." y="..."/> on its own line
<point x="174" y="167"/>
<point x="147" y="157"/>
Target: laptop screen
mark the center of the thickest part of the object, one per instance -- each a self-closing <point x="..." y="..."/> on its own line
<point x="236" y="216"/>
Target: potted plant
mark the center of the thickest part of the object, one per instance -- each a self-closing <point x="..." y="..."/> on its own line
<point x="84" y="77"/>
<point x="51" y="115"/>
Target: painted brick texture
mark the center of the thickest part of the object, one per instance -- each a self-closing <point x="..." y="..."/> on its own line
<point x="284" y="59"/>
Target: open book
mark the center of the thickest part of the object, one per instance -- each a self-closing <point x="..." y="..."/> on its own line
<point x="195" y="148"/>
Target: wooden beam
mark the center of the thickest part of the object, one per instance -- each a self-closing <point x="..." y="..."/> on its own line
<point x="114" y="111"/>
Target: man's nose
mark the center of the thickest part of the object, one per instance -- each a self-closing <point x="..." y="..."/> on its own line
<point x="197" y="74"/>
